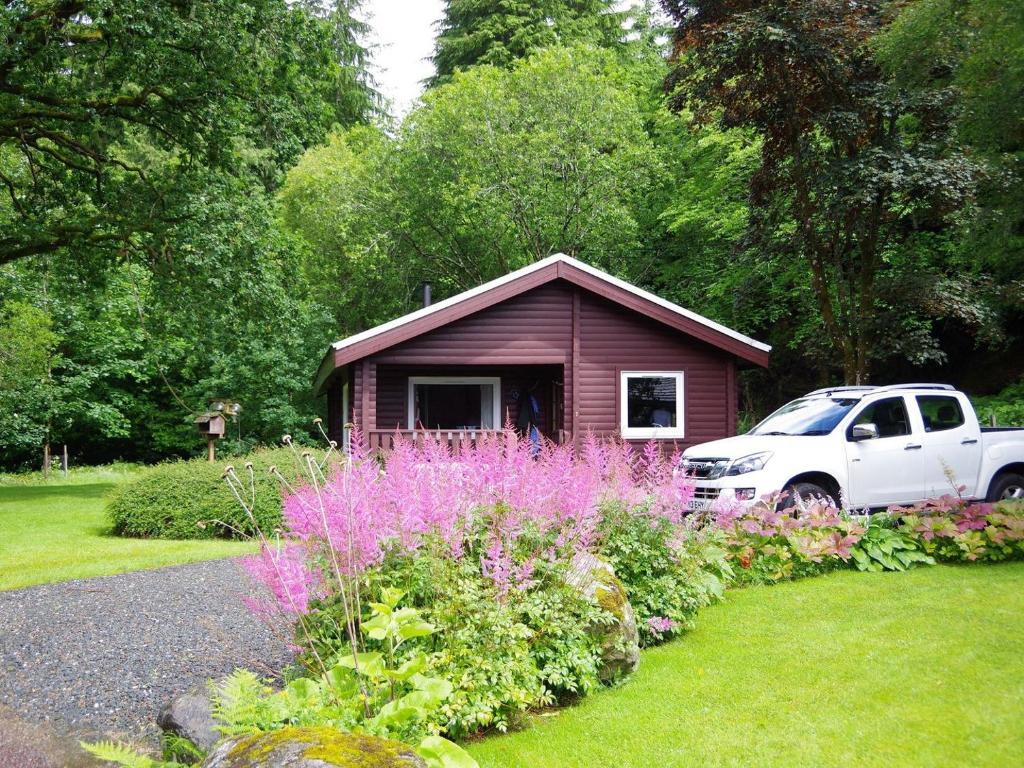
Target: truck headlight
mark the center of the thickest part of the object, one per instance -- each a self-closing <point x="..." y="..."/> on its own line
<point x="751" y="463"/>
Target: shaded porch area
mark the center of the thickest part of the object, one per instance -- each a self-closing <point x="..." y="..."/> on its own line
<point x="461" y="403"/>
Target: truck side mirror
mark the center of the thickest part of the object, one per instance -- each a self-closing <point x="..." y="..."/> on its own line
<point x="863" y="432"/>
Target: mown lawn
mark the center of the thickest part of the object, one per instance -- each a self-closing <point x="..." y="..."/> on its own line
<point x="924" y="668"/>
<point x="58" y="532"/>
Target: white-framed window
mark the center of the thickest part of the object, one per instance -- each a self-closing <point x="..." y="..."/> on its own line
<point x="454" y="402"/>
<point x="651" y="404"/>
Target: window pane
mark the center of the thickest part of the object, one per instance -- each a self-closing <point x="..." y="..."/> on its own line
<point x="450" y="406"/>
<point x="487" y="406"/>
<point x="889" y="415"/>
<point x="940" y="412"/>
<point x="651" y="401"/>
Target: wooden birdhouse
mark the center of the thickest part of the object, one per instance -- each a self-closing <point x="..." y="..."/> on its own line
<point x="211" y="424"/>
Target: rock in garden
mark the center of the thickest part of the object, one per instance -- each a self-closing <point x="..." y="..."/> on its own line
<point x="312" y="748"/>
<point x="190" y="717"/>
<point x="620" y="640"/>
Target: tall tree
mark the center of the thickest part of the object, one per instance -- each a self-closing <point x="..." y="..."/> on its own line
<point x="493" y="171"/>
<point x="354" y="95"/>
<point x="977" y="48"/>
<point x="112" y="114"/>
<point x="850" y="170"/>
<point x="499" y="32"/>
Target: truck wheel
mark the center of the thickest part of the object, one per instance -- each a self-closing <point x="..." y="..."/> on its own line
<point x="806" y="491"/>
<point x="1008" y="486"/>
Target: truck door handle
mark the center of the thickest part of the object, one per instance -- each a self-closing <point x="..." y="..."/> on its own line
<point x="912" y="447"/>
<point x="969" y="441"/>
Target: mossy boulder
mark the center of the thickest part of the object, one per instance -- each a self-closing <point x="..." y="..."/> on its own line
<point x="620" y="639"/>
<point x="319" y="747"/>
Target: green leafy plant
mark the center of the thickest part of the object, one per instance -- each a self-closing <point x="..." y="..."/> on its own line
<point x="378" y="692"/>
<point x="952" y="529"/>
<point x="885" y="548"/>
<point x="669" y="573"/>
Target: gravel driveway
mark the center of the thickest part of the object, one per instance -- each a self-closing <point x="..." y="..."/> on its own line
<point x="100" y="657"/>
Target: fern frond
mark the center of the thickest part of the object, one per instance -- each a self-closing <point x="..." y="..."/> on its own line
<point x="121" y="754"/>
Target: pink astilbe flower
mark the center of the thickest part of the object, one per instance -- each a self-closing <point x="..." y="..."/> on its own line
<point x="285" y="572"/>
<point x="660" y="624"/>
<point x="481" y="499"/>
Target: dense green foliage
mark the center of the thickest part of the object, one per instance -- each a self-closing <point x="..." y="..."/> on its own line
<point x="189" y="499"/>
<point x="472" y="32"/>
<point x="503" y="654"/>
<point x="1007" y="407"/>
<point x="206" y="197"/>
<point x="152" y="99"/>
<point x="483" y="178"/>
<point x="138" y="207"/>
<point x="668" y="576"/>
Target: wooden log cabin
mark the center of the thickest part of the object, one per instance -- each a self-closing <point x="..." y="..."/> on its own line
<point x="581" y="349"/>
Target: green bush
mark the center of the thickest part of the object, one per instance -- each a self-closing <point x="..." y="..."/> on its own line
<point x="1007" y="406"/>
<point x="505" y="654"/>
<point x="190" y="500"/>
<point x="669" y="573"/>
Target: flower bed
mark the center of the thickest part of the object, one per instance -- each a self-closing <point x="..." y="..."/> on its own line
<point x="435" y="594"/>
<point x="769" y="545"/>
<point x="479" y="543"/>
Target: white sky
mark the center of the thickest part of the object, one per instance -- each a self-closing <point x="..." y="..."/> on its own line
<point x="403" y="42"/>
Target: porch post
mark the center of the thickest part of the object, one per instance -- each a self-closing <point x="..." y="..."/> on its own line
<point x="369" y="395"/>
<point x="572" y="393"/>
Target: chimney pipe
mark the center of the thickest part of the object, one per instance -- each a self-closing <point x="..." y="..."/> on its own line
<point x="426" y="294"/>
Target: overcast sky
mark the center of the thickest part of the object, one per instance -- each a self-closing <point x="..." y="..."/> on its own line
<point x="403" y="40"/>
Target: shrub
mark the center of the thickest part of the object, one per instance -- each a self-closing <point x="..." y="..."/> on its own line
<point x="477" y="540"/>
<point x="883" y="547"/>
<point x="669" y="572"/>
<point x="504" y="653"/>
<point x="1007" y="406"/>
<point x="189" y="499"/>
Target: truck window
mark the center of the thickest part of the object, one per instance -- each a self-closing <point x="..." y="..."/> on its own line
<point x="940" y="412"/>
<point x="889" y="415"/>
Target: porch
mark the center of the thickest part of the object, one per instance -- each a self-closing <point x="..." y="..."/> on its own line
<point x="460" y="404"/>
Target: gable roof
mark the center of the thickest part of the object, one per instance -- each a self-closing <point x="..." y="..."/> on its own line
<point x="547" y="270"/>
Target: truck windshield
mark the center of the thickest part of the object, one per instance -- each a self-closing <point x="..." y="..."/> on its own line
<point x="808" y="416"/>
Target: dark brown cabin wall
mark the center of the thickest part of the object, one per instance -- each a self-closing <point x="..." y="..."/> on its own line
<point x="613" y="339"/>
<point x="357" y="393"/>
<point x="520" y="330"/>
<point x="335" y="418"/>
<point x="537" y="328"/>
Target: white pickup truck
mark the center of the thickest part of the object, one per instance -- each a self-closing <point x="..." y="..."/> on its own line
<point x="874" y="446"/>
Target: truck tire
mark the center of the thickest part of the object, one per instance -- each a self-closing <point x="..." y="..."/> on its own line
<point x="1007" y="486"/>
<point x="805" y="491"/>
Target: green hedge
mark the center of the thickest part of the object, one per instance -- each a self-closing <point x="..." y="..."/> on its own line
<point x="191" y="500"/>
<point x="1008" y="406"/>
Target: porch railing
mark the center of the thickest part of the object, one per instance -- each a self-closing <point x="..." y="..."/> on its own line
<point x="384" y="439"/>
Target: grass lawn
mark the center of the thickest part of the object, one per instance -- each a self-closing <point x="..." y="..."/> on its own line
<point x="58" y="532"/>
<point x="924" y="668"/>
